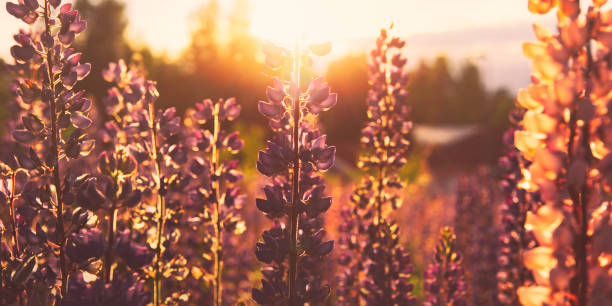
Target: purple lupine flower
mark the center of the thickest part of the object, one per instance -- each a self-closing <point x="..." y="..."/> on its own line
<point x="376" y="268"/>
<point x="295" y="197"/>
<point x="132" y="254"/>
<point x="215" y="190"/>
<point x="118" y="292"/>
<point x="350" y="247"/>
<point x="444" y="282"/>
<point x="513" y="239"/>
<point x="48" y="123"/>
<point x="477" y="235"/>
<point x="85" y="245"/>
<point x="153" y="139"/>
<point x="117" y="165"/>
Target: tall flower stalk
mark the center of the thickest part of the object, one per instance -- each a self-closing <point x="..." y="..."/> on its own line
<point x="161" y="205"/>
<point x="58" y="70"/>
<point x="216" y="180"/>
<point x="564" y="138"/>
<point x="49" y="54"/>
<point x="374" y="241"/>
<point x="216" y="217"/>
<point x="116" y="162"/>
<point x="8" y="172"/>
<point x="513" y="238"/>
<point x="477" y="235"/>
<point x="118" y="166"/>
<point x="9" y="289"/>
<point x="444" y="279"/>
<point x="153" y="139"/>
<point x="292" y="158"/>
<point x="295" y="181"/>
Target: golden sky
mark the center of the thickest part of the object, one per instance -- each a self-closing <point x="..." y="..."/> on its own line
<point x="164" y="25"/>
<point x="491" y="29"/>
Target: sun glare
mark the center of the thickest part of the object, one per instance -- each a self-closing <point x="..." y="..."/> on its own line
<point x="283" y="22"/>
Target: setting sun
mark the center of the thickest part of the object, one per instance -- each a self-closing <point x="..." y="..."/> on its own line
<point x="281" y="21"/>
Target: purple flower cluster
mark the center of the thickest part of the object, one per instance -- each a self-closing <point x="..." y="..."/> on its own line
<point x="106" y="230"/>
<point x="295" y="245"/>
<point x="352" y="229"/>
<point x="513" y="239"/>
<point x="151" y="139"/>
<point x="214" y="192"/>
<point x="444" y="279"/>
<point x="41" y="173"/>
<point x="370" y="242"/>
<point x="477" y="236"/>
<point x="118" y="292"/>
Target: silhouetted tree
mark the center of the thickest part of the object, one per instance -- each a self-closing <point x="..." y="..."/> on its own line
<point x="348" y="76"/>
<point x="103" y="42"/>
<point x="470" y="101"/>
<point x="203" y="49"/>
<point x="242" y="46"/>
<point x="438" y="96"/>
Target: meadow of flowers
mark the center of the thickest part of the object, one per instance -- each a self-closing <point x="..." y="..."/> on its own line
<point x="123" y="202"/>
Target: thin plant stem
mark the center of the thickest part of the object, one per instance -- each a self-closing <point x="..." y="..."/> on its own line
<point x="379" y="195"/>
<point x="108" y="253"/>
<point x="523" y="238"/>
<point x="161" y="207"/>
<point x="12" y="212"/>
<point x="295" y="183"/>
<point x="217" y="244"/>
<point x="380" y="190"/>
<point x="580" y="195"/>
<point x="61" y="237"/>
<point x="445" y="286"/>
<point x="14" y="224"/>
<point x="380" y="228"/>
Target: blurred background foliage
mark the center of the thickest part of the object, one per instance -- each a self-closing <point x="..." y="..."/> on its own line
<point x="217" y="65"/>
<point x="5" y="94"/>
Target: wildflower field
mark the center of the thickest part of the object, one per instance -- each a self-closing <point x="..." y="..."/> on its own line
<point x="238" y="171"/>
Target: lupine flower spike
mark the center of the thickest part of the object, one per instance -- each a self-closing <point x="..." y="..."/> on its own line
<point x="370" y="235"/>
<point x="49" y="137"/>
<point x="444" y="282"/>
<point x="563" y="137"/>
<point x="153" y="137"/>
<point x="477" y="235"/>
<point x="295" y="197"/>
<point x="513" y="239"/>
<point x="215" y="187"/>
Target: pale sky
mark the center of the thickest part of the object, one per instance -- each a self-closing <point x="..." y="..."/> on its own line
<point x="487" y="30"/>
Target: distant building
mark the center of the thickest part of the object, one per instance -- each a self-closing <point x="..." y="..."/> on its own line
<point x="440" y="135"/>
